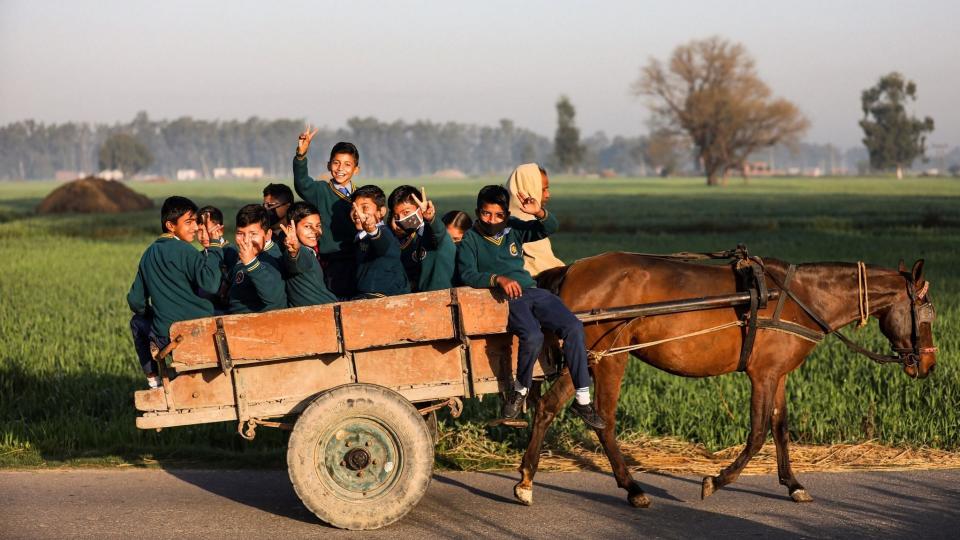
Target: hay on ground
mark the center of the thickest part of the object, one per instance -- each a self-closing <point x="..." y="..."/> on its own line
<point x="92" y="195"/>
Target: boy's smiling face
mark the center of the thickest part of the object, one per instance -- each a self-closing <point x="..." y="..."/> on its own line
<point x="369" y="207"/>
<point x="309" y="231"/>
<point x="342" y="167"/>
<point x="254" y="234"/>
<point x="185" y="228"/>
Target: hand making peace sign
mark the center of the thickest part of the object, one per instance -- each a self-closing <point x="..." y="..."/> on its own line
<point x="530" y="205"/>
<point x="362" y="220"/>
<point x="303" y="144"/>
<point x="290" y="240"/>
<point x="426" y="205"/>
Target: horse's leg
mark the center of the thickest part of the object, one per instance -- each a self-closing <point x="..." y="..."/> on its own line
<point x="547" y="408"/>
<point x="761" y="407"/>
<point x="608" y="374"/>
<point x="782" y="439"/>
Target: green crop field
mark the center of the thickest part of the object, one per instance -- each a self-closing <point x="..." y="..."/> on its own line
<point x="68" y="371"/>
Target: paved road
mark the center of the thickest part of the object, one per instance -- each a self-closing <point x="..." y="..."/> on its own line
<point x="261" y="504"/>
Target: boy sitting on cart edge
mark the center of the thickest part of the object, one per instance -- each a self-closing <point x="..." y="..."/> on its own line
<point x="303" y="276"/>
<point x="490" y="256"/>
<point x="169" y="275"/>
<point x="428" y="254"/>
<point x="332" y="200"/>
<point x="256" y="280"/>
<point x="379" y="270"/>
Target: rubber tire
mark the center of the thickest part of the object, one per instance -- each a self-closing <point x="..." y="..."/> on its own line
<point x="405" y="425"/>
<point x="432" y="426"/>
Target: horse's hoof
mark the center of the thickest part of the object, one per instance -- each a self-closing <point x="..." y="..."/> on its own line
<point x="638" y="500"/>
<point x="707" y="488"/>
<point x="523" y="494"/>
<point x="800" y="496"/>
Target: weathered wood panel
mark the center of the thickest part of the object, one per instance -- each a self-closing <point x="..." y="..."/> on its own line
<point x="482" y="311"/>
<point x="409" y="365"/>
<point x="407" y="318"/>
<point x="263" y="382"/>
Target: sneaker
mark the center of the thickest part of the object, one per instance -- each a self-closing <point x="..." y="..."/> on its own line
<point x="154" y="381"/>
<point x="512" y="404"/>
<point x="588" y="414"/>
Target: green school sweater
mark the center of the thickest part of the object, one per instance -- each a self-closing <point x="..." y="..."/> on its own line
<point x="429" y="259"/>
<point x="379" y="270"/>
<point x="304" y="280"/>
<point x="258" y="286"/>
<point x="481" y="258"/>
<point x="334" y="207"/>
<point x="169" y="275"/>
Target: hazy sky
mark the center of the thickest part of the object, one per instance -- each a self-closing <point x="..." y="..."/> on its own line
<point x="473" y="62"/>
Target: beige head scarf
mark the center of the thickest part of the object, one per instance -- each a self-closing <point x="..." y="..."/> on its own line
<point x="537" y="256"/>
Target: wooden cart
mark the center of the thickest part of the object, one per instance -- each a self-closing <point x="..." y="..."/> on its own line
<point x="355" y="379"/>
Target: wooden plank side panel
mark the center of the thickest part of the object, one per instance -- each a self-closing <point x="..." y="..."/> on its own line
<point x="286" y="333"/>
<point x="197" y="346"/>
<point x="483" y="311"/>
<point x="272" y="381"/>
<point x="408" y="318"/>
<point x="494" y="357"/>
<point x="409" y="365"/>
<point x="208" y="388"/>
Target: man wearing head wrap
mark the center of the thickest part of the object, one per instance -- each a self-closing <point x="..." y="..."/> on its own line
<point x="532" y="179"/>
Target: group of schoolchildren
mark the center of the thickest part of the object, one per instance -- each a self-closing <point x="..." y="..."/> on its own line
<point x="343" y="242"/>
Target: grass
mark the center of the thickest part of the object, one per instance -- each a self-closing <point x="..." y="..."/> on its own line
<point x="67" y="368"/>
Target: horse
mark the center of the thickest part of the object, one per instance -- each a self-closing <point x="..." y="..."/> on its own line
<point x="816" y="299"/>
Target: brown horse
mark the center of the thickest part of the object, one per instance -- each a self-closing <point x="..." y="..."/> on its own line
<point x="825" y="291"/>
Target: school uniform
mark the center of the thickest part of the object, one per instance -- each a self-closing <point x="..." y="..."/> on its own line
<point x="337" y="242"/>
<point x="258" y="286"/>
<point x="429" y="257"/>
<point x="379" y="270"/>
<point x="481" y="258"/>
<point x="303" y="278"/>
<point x="164" y="291"/>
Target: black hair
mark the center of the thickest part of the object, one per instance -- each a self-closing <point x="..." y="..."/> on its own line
<point x="213" y="213"/>
<point x="253" y="213"/>
<point x="542" y="170"/>
<point x="458" y="219"/>
<point x="494" y="194"/>
<point x="173" y="209"/>
<point x="280" y="192"/>
<point x="343" y="147"/>
<point x="300" y="210"/>
<point x="370" y="192"/>
<point x="403" y="194"/>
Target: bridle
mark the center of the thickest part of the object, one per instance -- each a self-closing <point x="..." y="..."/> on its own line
<point x="921" y="311"/>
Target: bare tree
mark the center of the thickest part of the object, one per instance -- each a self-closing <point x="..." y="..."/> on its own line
<point x="710" y="90"/>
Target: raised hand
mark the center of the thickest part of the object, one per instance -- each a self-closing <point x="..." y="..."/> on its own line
<point x="290" y="240"/>
<point x="203" y="236"/>
<point x="510" y="287"/>
<point x="363" y="221"/>
<point x="303" y="144"/>
<point x="426" y="205"/>
<point x="530" y="205"/>
<point x="245" y="249"/>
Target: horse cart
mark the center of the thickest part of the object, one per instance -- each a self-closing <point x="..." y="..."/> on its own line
<point x="354" y="381"/>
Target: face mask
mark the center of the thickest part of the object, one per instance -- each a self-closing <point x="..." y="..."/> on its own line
<point x="411" y="222"/>
<point x="272" y="216"/>
<point x="490" y="229"/>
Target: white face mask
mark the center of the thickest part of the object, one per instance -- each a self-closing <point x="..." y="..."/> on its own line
<point x="411" y="222"/>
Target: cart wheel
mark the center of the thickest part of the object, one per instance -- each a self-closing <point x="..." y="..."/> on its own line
<point x="360" y="456"/>
<point x="431" y="421"/>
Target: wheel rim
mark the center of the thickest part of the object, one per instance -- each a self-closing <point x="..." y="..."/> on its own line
<point x="359" y="458"/>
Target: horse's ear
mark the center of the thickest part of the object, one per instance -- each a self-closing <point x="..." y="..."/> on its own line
<point x="902" y="268"/>
<point x="917" y="271"/>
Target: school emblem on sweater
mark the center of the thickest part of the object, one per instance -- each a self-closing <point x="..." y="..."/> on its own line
<point x="421" y="254"/>
<point x="239" y="278"/>
<point x="513" y="249"/>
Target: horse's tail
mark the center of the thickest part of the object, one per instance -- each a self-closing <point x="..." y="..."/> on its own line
<point x="552" y="279"/>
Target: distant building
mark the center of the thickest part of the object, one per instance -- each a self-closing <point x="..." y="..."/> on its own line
<point x="187" y="174"/>
<point x="247" y="172"/>
<point x="221" y="172"/>
<point x="111" y="174"/>
<point x="66" y="176"/>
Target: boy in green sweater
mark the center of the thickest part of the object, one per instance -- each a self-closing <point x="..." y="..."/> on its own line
<point x="169" y="274"/>
<point x="491" y="256"/>
<point x="212" y="214"/>
<point x="256" y="282"/>
<point x="379" y="270"/>
<point x="426" y="251"/>
<point x="303" y="276"/>
<point x="333" y="201"/>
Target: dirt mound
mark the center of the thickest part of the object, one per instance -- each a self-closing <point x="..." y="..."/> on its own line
<point x="449" y="173"/>
<point x="92" y="195"/>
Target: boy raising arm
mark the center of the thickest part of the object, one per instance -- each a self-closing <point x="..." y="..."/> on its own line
<point x="256" y="283"/>
<point x="379" y="270"/>
<point x="303" y="275"/>
<point x="491" y="256"/>
<point x="426" y="251"/>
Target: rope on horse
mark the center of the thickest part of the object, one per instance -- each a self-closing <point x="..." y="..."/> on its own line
<point x="596" y="356"/>
<point x="863" y="294"/>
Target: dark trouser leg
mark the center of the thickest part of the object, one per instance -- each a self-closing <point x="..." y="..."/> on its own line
<point x="523" y="323"/>
<point x="142" y="330"/>
<point x="554" y="316"/>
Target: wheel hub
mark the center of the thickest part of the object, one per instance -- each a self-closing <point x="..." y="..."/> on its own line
<point x="359" y="458"/>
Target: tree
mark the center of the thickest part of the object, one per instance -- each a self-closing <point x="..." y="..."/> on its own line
<point x="664" y="151"/>
<point x="566" y="143"/>
<point x="124" y="152"/>
<point x="710" y="90"/>
<point x="892" y="138"/>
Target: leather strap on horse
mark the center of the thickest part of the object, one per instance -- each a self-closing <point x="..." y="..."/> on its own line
<point x="596" y="356"/>
<point x="751" y="275"/>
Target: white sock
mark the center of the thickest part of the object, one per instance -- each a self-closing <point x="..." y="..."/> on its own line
<point x="583" y="396"/>
<point x="519" y="388"/>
